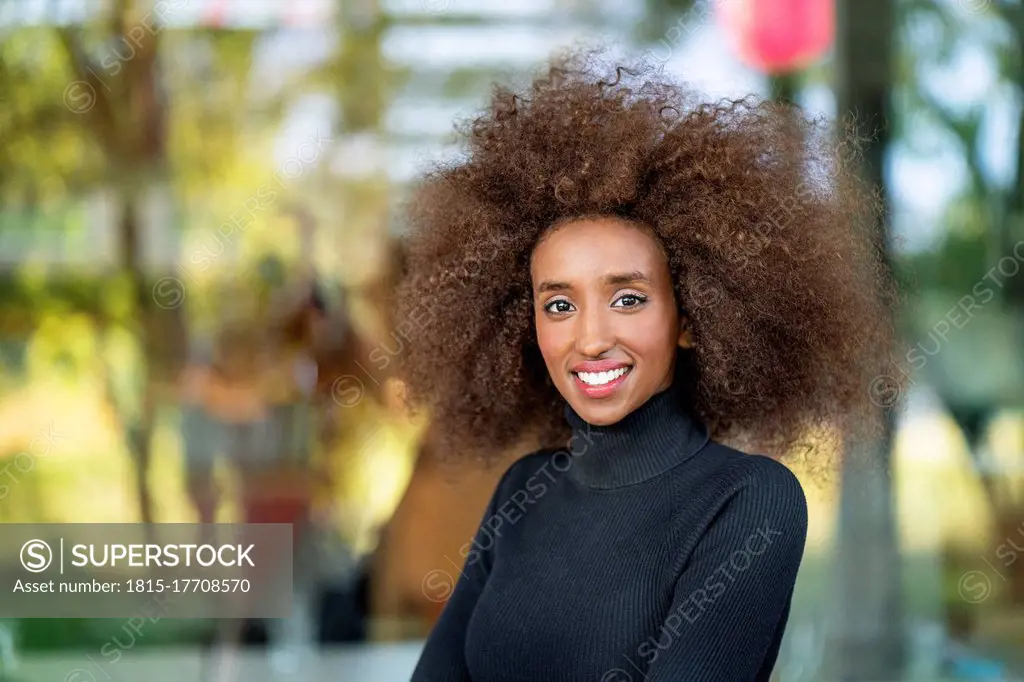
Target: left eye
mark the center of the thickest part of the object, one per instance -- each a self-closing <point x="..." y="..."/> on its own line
<point x="630" y="300"/>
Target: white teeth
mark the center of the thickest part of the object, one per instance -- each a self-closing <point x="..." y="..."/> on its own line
<point x="601" y="378"/>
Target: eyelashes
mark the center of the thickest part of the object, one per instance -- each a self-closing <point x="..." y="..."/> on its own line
<point x="638" y="301"/>
<point x="639" y="298"/>
<point x="549" y="305"/>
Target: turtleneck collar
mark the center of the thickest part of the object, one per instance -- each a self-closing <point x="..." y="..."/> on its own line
<point x="648" y="441"/>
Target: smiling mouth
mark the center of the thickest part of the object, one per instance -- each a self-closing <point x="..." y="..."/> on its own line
<point x="598" y="379"/>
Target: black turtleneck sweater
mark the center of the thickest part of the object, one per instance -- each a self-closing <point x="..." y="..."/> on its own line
<point x="642" y="552"/>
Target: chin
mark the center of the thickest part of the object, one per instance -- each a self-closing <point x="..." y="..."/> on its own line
<point x="602" y="415"/>
<point x="605" y="421"/>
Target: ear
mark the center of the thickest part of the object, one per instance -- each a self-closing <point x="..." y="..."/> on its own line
<point x="685" y="332"/>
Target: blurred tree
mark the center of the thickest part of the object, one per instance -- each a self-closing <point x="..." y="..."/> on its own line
<point x="983" y="226"/>
<point x="967" y="321"/>
<point x="308" y="319"/>
<point x="868" y="634"/>
<point x="661" y="15"/>
<point x="91" y="116"/>
<point x="351" y="211"/>
<point x="45" y="154"/>
<point x="127" y="118"/>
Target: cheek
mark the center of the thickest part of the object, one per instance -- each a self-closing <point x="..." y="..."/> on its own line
<point x="650" y="335"/>
<point x="552" y="339"/>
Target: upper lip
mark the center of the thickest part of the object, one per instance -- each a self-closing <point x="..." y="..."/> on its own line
<point x="599" y="366"/>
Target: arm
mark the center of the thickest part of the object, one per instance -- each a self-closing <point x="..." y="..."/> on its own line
<point x="733" y="596"/>
<point x="443" y="658"/>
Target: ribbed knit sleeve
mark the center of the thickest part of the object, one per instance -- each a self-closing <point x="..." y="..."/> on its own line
<point x="732" y="598"/>
<point x="443" y="658"/>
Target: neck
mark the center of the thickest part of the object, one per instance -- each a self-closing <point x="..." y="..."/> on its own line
<point x="655" y="437"/>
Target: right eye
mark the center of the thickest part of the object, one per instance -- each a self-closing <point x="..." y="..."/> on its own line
<point x="558" y="306"/>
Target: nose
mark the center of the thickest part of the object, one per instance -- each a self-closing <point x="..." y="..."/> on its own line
<point x="594" y="334"/>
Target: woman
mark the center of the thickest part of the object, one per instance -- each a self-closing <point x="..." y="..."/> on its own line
<point x="637" y="277"/>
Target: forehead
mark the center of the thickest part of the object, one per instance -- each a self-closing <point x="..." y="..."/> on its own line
<point x="592" y="247"/>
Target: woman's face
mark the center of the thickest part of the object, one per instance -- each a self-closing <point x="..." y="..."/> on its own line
<point x="608" y="324"/>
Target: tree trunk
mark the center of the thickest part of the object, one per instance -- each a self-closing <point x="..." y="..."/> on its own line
<point x="129" y="121"/>
<point x="867" y="637"/>
<point x="1009" y="508"/>
<point x="1011" y="232"/>
<point x="140" y="430"/>
<point x="785" y="87"/>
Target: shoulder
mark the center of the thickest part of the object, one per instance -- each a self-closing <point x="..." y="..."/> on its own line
<point x="753" y="488"/>
<point x="741" y="471"/>
<point x="527" y="467"/>
<point x="761" y="471"/>
<point x="525" y="481"/>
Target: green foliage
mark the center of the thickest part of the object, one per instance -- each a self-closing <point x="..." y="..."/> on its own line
<point x="215" y="109"/>
<point x="959" y="262"/>
<point x="45" y="152"/>
<point x="25" y="301"/>
<point x="979" y="222"/>
<point x="661" y="15"/>
<point x="55" y="634"/>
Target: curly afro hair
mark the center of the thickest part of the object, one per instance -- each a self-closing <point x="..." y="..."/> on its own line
<point x="772" y="241"/>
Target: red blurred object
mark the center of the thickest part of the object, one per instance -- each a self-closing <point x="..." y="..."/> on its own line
<point x="776" y="36"/>
<point x="215" y="12"/>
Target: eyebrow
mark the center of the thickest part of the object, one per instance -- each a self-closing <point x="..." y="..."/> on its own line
<point x="616" y="279"/>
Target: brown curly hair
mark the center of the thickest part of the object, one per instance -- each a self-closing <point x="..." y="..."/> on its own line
<point x="772" y="242"/>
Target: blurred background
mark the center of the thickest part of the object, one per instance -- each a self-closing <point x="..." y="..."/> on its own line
<point x="199" y="206"/>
